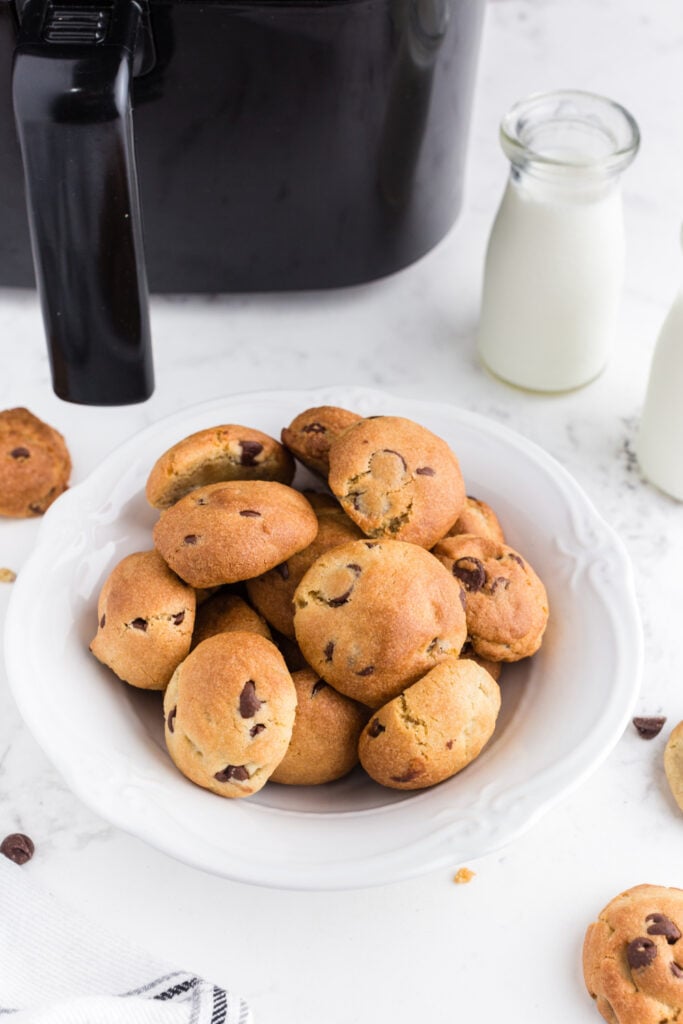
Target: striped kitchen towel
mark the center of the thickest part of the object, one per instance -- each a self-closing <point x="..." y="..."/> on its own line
<point x="59" y="968"/>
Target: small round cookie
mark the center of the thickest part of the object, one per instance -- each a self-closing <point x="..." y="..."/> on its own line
<point x="506" y="602"/>
<point x="311" y="433"/>
<point x="232" y="531"/>
<point x="145" y="619"/>
<point x="479" y="518"/>
<point x="371" y="617"/>
<point x="633" y="956"/>
<point x="494" y="668"/>
<point x="34" y="464"/>
<point x="433" y="729"/>
<point x="227" y="613"/>
<point x="324" y="743"/>
<point x="273" y="592"/>
<point x="229" y="712"/>
<point x="397" y="480"/>
<point x="673" y="763"/>
<point x="227" y="452"/>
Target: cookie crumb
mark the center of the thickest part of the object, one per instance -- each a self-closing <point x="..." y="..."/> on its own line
<point x="463" y="875"/>
<point x="7" y="576"/>
<point x="648" y="728"/>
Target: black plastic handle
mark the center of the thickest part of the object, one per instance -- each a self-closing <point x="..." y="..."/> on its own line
<point x="71" y="88"/>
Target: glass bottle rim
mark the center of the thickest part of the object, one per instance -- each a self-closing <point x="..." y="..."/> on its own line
<point x="604" y="135"/>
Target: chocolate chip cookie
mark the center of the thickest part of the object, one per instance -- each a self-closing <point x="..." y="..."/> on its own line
<point x="479" y="518"/>
<point x="35" y="464"/>
<point x="371" y="617"/>
<point x="397" y="480"/>
<point x="232" y="531"/>
<point x="633" y="957"/>
<point x="506" y="602"/>
<point x="273" y="592"/>
<point x="227" y="452"/>
<point x="229" y="713"/>
<point x="324" y="743"/>
<point x="311" y="433"/>
<point x="227" y="613"/>
<point x="433" y="729"/>
<point x="145" y="619"/>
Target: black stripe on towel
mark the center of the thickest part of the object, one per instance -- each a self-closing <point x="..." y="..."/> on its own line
<point x="177" y="990"/>
<point x="220" y="1006"/>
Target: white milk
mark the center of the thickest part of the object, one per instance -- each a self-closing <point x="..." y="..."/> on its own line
<point x="552" y="283"/>
<point x="659" y="446"/>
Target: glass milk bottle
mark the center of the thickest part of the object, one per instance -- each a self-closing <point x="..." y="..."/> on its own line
<point x="659" y="446"/>
<point x="555" y="261"/>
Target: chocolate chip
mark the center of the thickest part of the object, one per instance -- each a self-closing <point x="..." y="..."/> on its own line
<point x="408" y="776"/>
<point x="516" y="558"/>
<point x="20" y="453"/>
<point x="238" y="772"/>
<point x="390" y="451"/>
<point x="178" y="618"/>
<point x="371" y="543"/>
<point x="356" y="569"/>
<point x="250" y="513"/>
<point x="283" y="569"/>
<point x="663" y="925"/>
<point x="36" y="509"/>
<point x="336" y="602"/>
<point x="676" y="970"/>
<point x="17" y="847"/>
<point x="367" y="671"/>
<point x="640" y="953"/>
<point x="375" y="728"/>
<point x="425" y="471"/>
<point x="250" y="449"/>
<point x="249" y="702"/>
<point x="256" y="729"/>
<point x="102" y="621"/>
<point x="140" y="624"/>
<point x="449" y="744"/>
<point x="201" y="501"/>
<point x="471" y="573"/>
<point x="499" y="581"/>
<point x="320" y="685"/>
<point x="648" y="728"/>
<point x="314" y="428"/>
<point x="329" y="650"/>
<point x="171" y="719"/>
<point x="190" y="539"/>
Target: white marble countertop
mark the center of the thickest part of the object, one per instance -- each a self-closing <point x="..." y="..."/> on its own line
<point x="507" y="945"/>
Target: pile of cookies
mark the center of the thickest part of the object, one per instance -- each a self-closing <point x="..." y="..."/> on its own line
<point x="294" y="633"/>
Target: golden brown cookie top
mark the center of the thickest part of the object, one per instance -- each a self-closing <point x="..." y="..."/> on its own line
<point x="227" y="613"/>
<point x="633" y="956"/>
<point x="311" y="433"/>
<point x="371" y="617"/>
<point x="479" y="518"/>
<point x="397" y="480"/>
<point x="506" y="602"/>
<point x="35" y="465"/>
<point x="225" y="452"/>
<point x="232" y="531"/>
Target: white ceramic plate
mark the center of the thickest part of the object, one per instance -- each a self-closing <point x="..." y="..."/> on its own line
<point x="563" y="710"/>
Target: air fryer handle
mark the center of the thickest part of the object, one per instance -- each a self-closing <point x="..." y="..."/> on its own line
<point x="72" y="70"/>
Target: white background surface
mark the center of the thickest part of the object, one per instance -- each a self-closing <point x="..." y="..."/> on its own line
<point x="507" y="945"/>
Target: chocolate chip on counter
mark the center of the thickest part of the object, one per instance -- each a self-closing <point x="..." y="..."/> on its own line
<point x="317" y="687"/>
<point x="178" y="618"/>
<point x="648" y="728"/>
<point x="471" y="573"/>
<point x="425" y="471"/>
<point x="663" y="925"/>
<point x="171" y="719"/>
<point x="17" y="847"/>
<point x="314" y="428"/>
<point x="20" y="453"/>
<point x="250" y="449"/>
<point x="256" y="729"/>
<point x="375" y="728"/>
<point x="249" y="702"/>
<point x="140" y="624"/>
<point x="367" y="671"/>
<point x="676" y="970"/>
<point x="640" y="953"/>
<point x="190" y="539"/>
<point x="238" y="772"/>
<point x="250" y="513"/>
<point x="329" y="650"/>
<point x="283" y="570"/>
